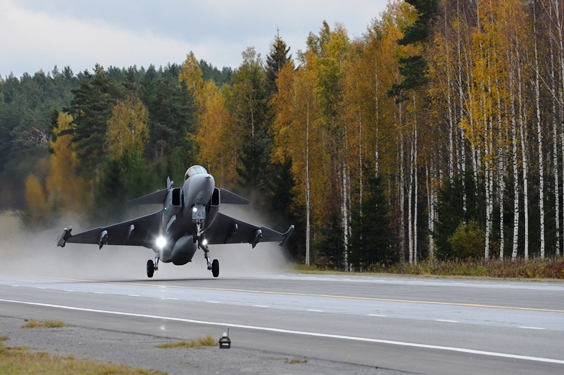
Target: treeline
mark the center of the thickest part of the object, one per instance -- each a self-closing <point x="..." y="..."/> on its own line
<point x="58" y="127"/>
<point x="438" y="134"/>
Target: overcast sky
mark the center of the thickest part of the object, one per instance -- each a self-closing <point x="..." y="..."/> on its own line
<point x="39" y="34"/>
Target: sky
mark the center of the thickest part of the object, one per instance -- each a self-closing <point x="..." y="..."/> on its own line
<point x="41" y="34"/>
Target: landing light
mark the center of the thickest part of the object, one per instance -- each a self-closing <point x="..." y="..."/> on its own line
<point x="204" y="242"/>
<point x="195" y="209"/>
<point x="160" y="242"/>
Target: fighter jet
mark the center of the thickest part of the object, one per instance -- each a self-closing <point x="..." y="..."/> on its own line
<point x="189" y="219"/>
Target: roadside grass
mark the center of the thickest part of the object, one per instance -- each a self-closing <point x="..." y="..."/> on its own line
<point x="549" y="268"/>
<point x="31" y="323"/>
<point x="295" y="361"/>
<point x="196" y="343"/>
<point x="20" y="361"/>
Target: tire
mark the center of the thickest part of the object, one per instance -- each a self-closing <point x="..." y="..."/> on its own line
<point x="150" y="268"/>
<point x="215" y="268"/>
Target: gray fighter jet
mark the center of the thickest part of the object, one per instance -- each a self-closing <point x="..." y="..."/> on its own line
<point x="189" y="219"/>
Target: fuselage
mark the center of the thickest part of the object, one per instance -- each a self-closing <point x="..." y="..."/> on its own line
<point x="187" y="213"/>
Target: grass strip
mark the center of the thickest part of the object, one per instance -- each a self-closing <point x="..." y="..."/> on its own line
<point x="196" y="343"/>
<point x="20" y="361"/>
<point x="31" y="323"/>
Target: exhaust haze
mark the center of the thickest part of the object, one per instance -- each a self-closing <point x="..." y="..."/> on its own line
<point x="26" y="253"/>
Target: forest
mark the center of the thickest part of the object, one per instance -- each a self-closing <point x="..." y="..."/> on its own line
<point x="437" y="134"/>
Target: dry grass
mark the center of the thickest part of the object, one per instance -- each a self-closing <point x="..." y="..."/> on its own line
<point x="295" y="361"/>
<point x="196" y="343"/>
<point x="30" y="323"/>
<point x="550" y="268"/>
<point x="20" y="361"/>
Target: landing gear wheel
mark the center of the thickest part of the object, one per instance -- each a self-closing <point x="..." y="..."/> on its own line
<point x="150" y="268"/>
<point x="215" y="268"/>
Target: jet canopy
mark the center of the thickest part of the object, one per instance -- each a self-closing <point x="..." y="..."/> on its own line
<point x="194" y="170"/>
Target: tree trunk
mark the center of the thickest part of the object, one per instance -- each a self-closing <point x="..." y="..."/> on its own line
<point x="524" y="160"/>
<point x="539" y="140"/>
<point x="308" y="200"/>
<point x="554" y="89"/>
<point x="515" y="168"/>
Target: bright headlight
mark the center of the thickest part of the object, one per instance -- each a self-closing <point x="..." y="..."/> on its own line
<point x="160" y="242"/>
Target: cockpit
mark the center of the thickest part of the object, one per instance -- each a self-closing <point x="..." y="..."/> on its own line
<point x="194" y="170"/>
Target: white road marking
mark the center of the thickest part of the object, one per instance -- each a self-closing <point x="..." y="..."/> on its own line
<point x="41" y="287"/>
<point x="213" y="302"/>
<point x="15" y="286"/>
<point x="133" y="295"/>
<point x="314" y="310"/>
<point x="263" y="306"/>
<point x="301" y="333"/>
<point x="69" y="290"/>
<point x="447" y="321"/>
<point x="378" y="315"/>
<point x="172" y="299"/>
<point x="537" y="328"/>
<point x="99" y="293"/>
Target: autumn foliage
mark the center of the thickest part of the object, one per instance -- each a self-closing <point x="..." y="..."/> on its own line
<point x="454" y="107"/>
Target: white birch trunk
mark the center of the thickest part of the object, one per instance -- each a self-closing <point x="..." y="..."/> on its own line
<point x="430" y="205"/>
<point x="345" y="215"/>
<point x="449" y="104"/>
<point x="489" y="179"/>
<point x="539" y="141"/>
<point x="308" y="204"/>
<point x="515" y="168"/>
<point x="501" y="197"/>
<point x="554" y="89"/>
<point x="501" y="174"/>
<point x="560" y="32"/>
<point x="360" y="169"/>
<point x="461" y="112"/>
<point x="409" y="207"/>
<point x="524" y="161"/>
<point x="401" y="191"/>
<point x="415" y="182"/>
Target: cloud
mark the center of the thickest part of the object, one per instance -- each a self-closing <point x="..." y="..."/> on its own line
<point x="80" y="33"/>
<point x="36" y="40"/>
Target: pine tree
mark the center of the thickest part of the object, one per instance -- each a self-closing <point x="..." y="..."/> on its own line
<point x="372" y="240"/>
<point x="275" y="61"/>
<point x="91" y="109"/>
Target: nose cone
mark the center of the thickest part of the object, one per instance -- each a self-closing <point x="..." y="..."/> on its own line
<point x="201" y="188"/>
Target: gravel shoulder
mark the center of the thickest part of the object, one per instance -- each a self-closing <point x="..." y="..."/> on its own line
<point x="140" y="351"/>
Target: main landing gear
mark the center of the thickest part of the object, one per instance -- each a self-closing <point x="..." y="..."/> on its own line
<point x="212" y="266"/>
<point x="152" y="267"/>
<point x="215" y="268"/>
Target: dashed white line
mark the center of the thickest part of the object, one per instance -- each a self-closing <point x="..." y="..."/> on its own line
<point x="172" y="299"/>
<point x="447" y="321"/>
<point x="99" y="293"/>
<point x="314" y="310"/>
<point x="69" y="290"/>
<point x="378" y="315"/>
<point x="263" y="306"/>
<point x="133" y="295"/>
<point x="537" y="328"/>
<point x="15" y="286"/>
<point x="213" y="302"/>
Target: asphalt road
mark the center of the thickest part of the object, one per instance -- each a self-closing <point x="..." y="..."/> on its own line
<point x="413" y="325"/>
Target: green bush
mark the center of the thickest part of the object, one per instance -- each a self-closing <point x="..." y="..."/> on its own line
<point x="468" y="241"/>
